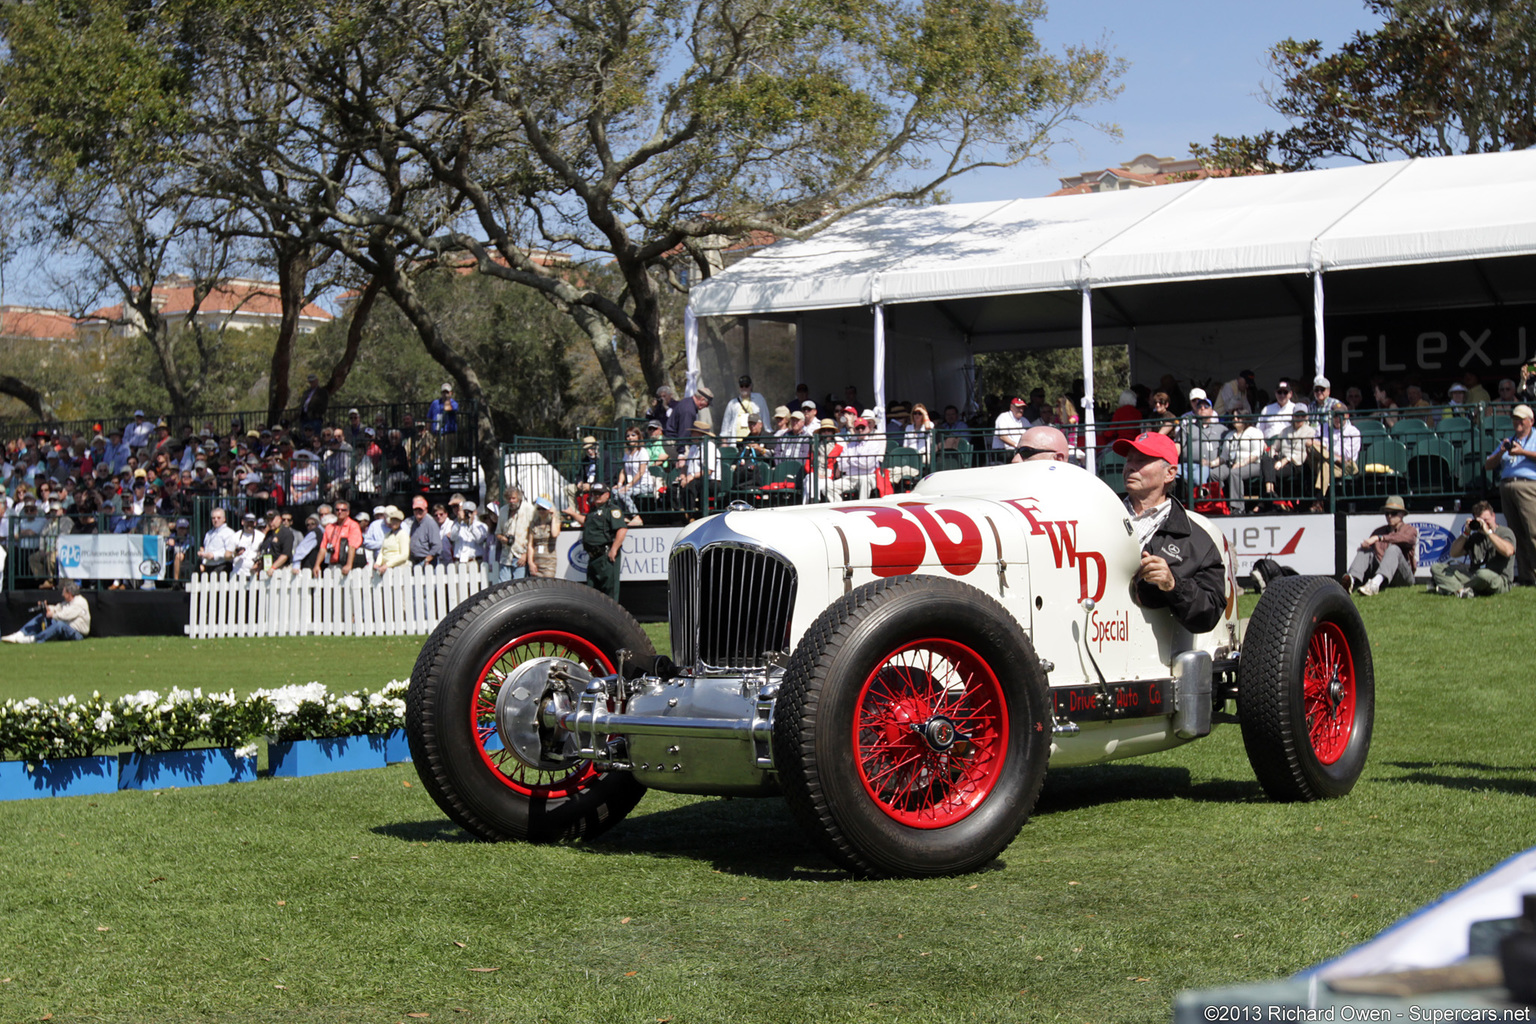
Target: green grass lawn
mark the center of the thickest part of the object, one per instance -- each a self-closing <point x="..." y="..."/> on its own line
<point x="350" y="898"/>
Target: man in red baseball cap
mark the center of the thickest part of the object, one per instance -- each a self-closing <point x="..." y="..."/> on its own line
<point x="1181" y="567"/>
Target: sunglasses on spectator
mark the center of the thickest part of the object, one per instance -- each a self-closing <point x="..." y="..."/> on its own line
<point x="1027" y="452"/>
<point x="1319" y="388"/>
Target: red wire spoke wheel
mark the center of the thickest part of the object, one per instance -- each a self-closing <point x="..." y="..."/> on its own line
<point x="1306" y="690"/>
<point x="1329" y="693"/>
<point x="451" y="711"/>
<point x="482" y="712"/>
<point x="911" y="729"/>
<point x="931" y="729"/>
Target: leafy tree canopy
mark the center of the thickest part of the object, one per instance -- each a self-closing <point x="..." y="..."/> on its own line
<point x="1439" y="77"/>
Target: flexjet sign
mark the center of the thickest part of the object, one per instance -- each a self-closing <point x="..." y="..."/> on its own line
<point x="1491" y="341"/>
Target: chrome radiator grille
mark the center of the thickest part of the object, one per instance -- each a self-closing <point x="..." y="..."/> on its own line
<point x="730" y="606"/>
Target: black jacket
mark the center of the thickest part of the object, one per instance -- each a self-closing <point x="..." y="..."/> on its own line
<point x="1199" y="593"/>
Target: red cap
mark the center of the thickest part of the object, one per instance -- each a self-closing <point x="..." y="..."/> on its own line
<point x="1017" y="401"/>
<point x="1157" y="446"/>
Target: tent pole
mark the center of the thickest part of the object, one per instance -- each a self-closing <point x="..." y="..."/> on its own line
<point x="880" y="367"/>
<point x="1089" y="437"/>
<point x="1317" y="322"/>
<point x="691" y="347"/>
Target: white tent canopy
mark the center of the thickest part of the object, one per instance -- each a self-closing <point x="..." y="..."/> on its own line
<point x="1415" y="211"/>
<point x="988" y="270"/>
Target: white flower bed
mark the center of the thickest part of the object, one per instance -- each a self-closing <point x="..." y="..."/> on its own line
<point x="33" y="729"/>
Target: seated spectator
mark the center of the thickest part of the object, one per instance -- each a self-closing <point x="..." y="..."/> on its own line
<point x="1338" y="450"/>
<point x="1414" y="399"/>
<point x="1279" y="414"/>
<point x="793" y="443"/>
<point x="1162" y="420"/>
<point x="70" y="619"/>
<point x="821" y="466"/>
<point x="754" y="463"/>
<point x="1237" y="395"/>
<point x="1490" y="552"/>
<point x="1388" y="557"/>
<point x="1285" y="469"/>
<point x="1126" y="414"/>
<point x="1386" y="407"/>
<point x="919" y="434"/>
<point x="700" y="459"/>
<point x="862" y="457"/>
<point x="635" y="478"/>
<point x="1008" y="429"/>
<point x="1242" y="453"/>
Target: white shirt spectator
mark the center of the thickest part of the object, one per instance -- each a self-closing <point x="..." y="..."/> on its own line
<point x="1229" y="399"/>
<point x="1242" y="448"/>
<point x="138" y="433"/>
<point x="1277" y="417"/>
<point x="305" y="482"/>
<point x="1008" y="431"/>
<point x="249" y="540"/>
<point x="470" y="541"/>
<point x="373" y="538"/>
<point x="698" y="455"/>
<point x="733" y="420"/>
<point x="219" y="545"/>
<point x="1342" y="445"/>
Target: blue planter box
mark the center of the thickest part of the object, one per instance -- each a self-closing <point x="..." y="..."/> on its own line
<point x="173" y="769"/>
<point x="318" y="757"/>
<point x="64" y="776"/>
<point x="396" y="747"/>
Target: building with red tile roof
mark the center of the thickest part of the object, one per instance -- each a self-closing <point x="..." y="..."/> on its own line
<point x="233" y="304"/>
<point x="35" y="323"/>
<point x="1137" y="172"/>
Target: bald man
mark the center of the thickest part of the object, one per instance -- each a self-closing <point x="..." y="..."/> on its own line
<point x="1041" y="444"/>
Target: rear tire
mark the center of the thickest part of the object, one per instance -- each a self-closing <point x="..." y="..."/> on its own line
<point x="450" y="711"/>
<point x="1306" y="690"/>
<point x="911" y="730"/>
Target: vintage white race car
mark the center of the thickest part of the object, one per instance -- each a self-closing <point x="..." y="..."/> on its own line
<point x="901" y="670"/>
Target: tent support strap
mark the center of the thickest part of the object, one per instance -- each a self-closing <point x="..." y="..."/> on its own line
<point x="1317" y="322"/>
<point x="691" y="347"/>
<point x="1089" y="438"/>
<point x="880" y="365"/>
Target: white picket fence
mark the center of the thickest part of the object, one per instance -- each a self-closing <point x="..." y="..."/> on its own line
<point x="404" y="600"/>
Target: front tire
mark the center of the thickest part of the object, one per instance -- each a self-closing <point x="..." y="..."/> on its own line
<point x="911" y="730"/>
<point x="1306" y="690"/>
<point x="450" y="711"/>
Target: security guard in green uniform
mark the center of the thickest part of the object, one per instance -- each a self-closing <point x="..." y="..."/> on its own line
<point x="602" y="535"/>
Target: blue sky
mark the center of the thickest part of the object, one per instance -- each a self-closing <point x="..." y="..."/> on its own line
<point x="1197" y="68"/>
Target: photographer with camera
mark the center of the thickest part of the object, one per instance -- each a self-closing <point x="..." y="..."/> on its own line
<point x="70" y="619"/>
<point x="1515" y="459"/>
<point x="1490" y="552"/>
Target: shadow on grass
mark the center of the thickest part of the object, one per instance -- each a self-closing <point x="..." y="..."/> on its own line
<point x="755" y="837"/>
<point x="440" y="830"/>
<point x="1071" y="789"/>
<point x="1522" y="785"/>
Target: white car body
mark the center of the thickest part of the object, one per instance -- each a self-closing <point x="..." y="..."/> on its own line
<point x="1048" y="540"/>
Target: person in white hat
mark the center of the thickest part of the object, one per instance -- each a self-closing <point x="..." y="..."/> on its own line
<point x="1199" y="438"/>
<point x="395" y="550"/>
